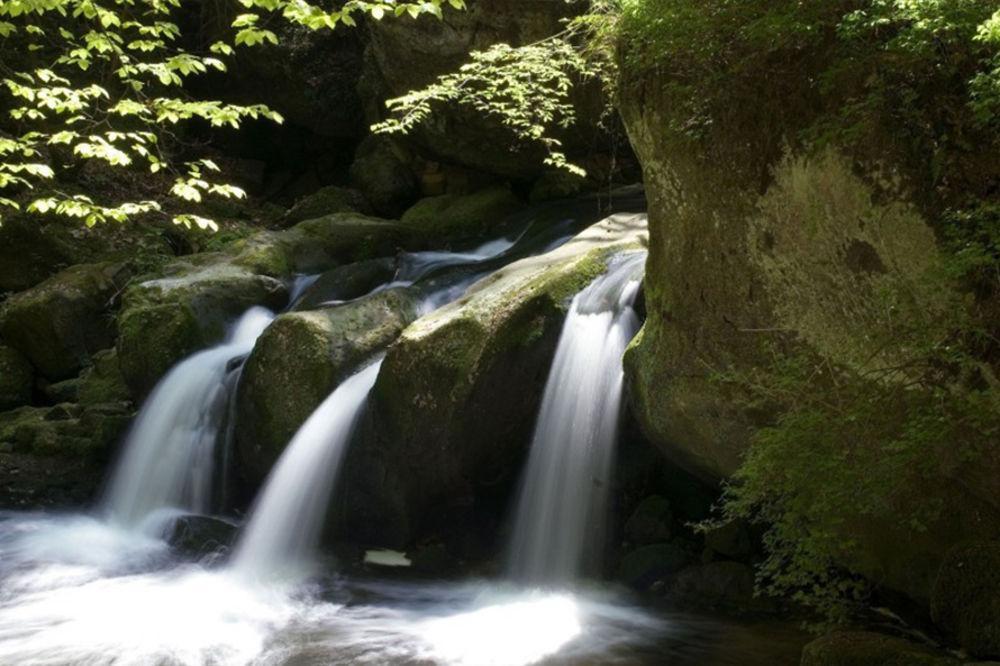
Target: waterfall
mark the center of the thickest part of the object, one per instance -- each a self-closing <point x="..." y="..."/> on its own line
<point x="287" y="518"/>
<point x="169" y="453"/>
<point x="560" y="516"/>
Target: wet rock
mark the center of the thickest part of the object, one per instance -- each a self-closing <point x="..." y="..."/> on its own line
<point x="965" y="601"/>
<point x="188" y="309"/>
<point x="864" y="648"/>
<point x="61" y="322"/>
<point x="299" y="360"/>
<point x="382" y="174"/>
<point x="650" y="522"/>
<point x="198" y="537"/>
<point x="347" y="282"/>
<point x="644" y="566"/>
<point x="470" y="216"/>
<point x="16" y="378"/>
<point x="454" y="405"/>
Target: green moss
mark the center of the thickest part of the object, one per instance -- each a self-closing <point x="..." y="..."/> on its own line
<point x="462" y="216"/>
<point x="103" y="381"/>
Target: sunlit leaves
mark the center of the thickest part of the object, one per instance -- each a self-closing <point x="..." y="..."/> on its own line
<point x="527" y="88"/>
<point x="115" y="84"/>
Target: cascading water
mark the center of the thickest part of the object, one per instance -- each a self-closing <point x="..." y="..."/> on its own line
<point x="561" y="511"/>
<point x="169" y="453"/>
<point x="286" y="521"/>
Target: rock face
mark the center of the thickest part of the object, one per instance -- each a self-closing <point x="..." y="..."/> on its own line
<point x="966" y="597"/>
<point x="764" y="246"/>
<point x="382" y="173"/>
<point x="59" y="323"/>
<point x="454" y="405"/>
<point x="299" y="360"/>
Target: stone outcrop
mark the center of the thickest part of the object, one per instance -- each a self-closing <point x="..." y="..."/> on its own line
<point x="454" y="405"/>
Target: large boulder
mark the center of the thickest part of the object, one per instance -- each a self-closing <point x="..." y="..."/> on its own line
<point x="165" y="319"/>
<point x="771" y="248"/>
<point x="966" y="597"/>
<point x="61" y="322"/>
<point x="865" y="648"/>
<point x="471" y="216"/>
<point x="324" y="201"/>
<point x="454" y="405"/>
<point x="16" y="378"/>
<point x="299" y="360"/>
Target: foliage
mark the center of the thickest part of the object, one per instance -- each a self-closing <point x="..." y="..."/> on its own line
<point x="893" y="443"/>
<point x="527" y="88"/>
<point x="108" y="83"/>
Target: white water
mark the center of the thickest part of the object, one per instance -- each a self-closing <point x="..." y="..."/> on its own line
<point x="287" y="518"/>
<point x="169" y="453"/>
<point x="560" y="517"/>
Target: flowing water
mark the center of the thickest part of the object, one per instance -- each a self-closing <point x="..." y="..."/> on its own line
<point x="80" y="590"/>
<point x="287" y="519"/>
<point x="168" y="460"/>
<point x="560" y="517"/>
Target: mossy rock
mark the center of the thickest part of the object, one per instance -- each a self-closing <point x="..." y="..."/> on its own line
<point x="965" y="601"/>
<point x="324" y="201"/>
<point x="347" y="282"/>
<point x="644" y="566"/>
<point x="650" y="522"/>
<point x="16" y="378"/>
<point x="166" y="319"/>
<point x="865" y="648"/>
<point x="321" y="243"/>
<point x="718" y="585"/>
<point x="59" y="323"/>
<point x="454" y="405"/>
<point x="57" y="456"/>
<point x="299" y="360"/>
<point x="463" y="216"/>
<point x="103" y="381"/>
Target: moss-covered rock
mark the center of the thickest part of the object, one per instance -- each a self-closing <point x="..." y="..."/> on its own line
<point x="462" y="216"/>
<point x="103" y="381"/>
<point x="453" y="408"/>
<point x="165" y="319"/>
<point x="318" y="244"/>
<point x="864" y="648"/>
<point x="382" y="174"/>
<point x="325" y="201"/>
<point x="59" y="323"/>
<point x="56" y="456"/>
<point x="16" y="378"/>
<point x="966" y="598"/>
<point x="299" y="360"/>
<point x="347" y="282"/>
